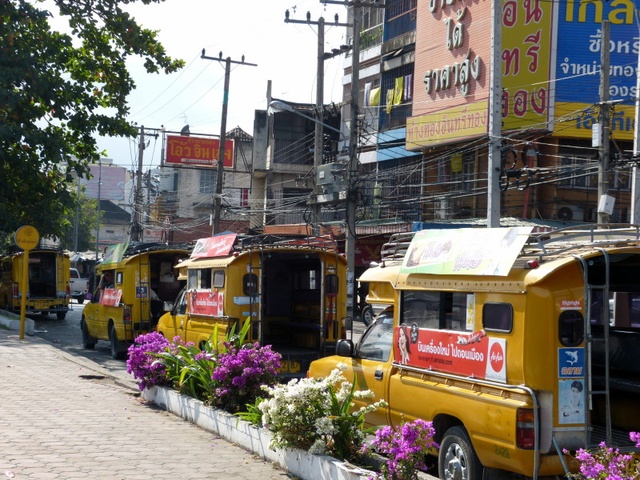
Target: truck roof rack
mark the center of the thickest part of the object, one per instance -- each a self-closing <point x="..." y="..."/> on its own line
<point x="541" y="245"/>
<point x="580" y="237"/>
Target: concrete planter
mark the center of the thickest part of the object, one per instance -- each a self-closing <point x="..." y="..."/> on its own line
<point x="298" y="462"/>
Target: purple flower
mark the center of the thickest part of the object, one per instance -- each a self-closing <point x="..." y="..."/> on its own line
<point x="241" y="372"/>
<point x="143" y="365"/>
<point x="404" y="448"/>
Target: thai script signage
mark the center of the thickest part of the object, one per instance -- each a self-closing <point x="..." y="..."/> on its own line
<point x="527" y="44"/>
<point x="468" y="354"/>
<point x="197" y="151"/>
<point x="578" y="65"/>
<point x="206" y="302"/>
<point x="111" y="297"/>
<point x="453" y="124"/>
<point x="216" y="246"/>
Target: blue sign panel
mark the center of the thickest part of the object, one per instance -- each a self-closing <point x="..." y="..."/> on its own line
<point x="570" y="362"/>
<point x="579" y="45"/>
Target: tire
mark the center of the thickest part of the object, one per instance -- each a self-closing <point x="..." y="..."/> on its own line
<point x="88" y="342"/>
<point x="61" y="315"/>
<point x="457" y="460"/>
<point x="117" y="353"/>
<point x="367" y="315"/>
<point x="80" y="299"/>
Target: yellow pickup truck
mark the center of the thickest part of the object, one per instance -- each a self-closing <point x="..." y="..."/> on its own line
<point x="515" y="346"/>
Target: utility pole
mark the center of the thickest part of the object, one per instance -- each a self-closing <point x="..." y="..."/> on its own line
<point x="136" y="229"/>
<point x="318" y="144"/>
<point x="352" y="169"/>
<point x="635" y="180"/>
<point x="605" y="120"/>
<point x="217" y="202"/>
<point x="495" y="118"/>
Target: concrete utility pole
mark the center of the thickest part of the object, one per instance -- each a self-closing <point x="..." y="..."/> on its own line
<point x="136" y="229"/>
<point x="495" y="119"/>
<point x="605" y="121"/>
<point x="217" y="201"/>
<point x="318" y="144"/>
<point x="635" y="180"/>
<point x="352" y="169"/>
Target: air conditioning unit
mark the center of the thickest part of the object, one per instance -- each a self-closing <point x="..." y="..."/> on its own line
<point x="570" y="213"/>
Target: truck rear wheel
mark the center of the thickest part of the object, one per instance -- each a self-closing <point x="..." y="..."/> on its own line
<point x="88" y="342"/>
<point x="80" y="299"/>
<point x="61" y="315"/>
<point x="457" y="460"/>
<point x="117" y="352"/>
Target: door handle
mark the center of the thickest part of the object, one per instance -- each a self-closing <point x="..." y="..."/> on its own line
<point x="378" y="374"/>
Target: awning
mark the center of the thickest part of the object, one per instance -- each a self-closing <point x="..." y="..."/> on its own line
<point x="395" y="152"/>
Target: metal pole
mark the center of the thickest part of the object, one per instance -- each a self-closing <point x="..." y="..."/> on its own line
<point x="603" y="171"/>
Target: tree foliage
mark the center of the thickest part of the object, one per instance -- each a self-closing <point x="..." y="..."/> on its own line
<point x="58" y="90"/>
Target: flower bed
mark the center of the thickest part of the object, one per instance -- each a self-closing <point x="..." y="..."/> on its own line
<point x="308" y="426"/>
<point x="298" y="462"/>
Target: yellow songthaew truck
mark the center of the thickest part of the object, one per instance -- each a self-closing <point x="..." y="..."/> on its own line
<point x="141" y="278"/>
<point x="292" y="290"/>
<point x="48" y="282"/>
<point x="516" y="346"/>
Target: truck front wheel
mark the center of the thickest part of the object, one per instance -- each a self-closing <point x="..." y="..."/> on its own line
<point x="61" y="315"/>
<point x="457" y="460"/>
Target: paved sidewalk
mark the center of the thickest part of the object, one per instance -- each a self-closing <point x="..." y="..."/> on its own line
<point x="63" y="417"/>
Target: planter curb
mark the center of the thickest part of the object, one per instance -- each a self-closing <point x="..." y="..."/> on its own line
<point x="298" y="462"/>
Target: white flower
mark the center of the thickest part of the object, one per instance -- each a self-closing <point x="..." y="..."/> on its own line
<point x="318" y="447"/>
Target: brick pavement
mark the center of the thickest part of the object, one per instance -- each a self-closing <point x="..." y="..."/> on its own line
<point x="63" y="417"/>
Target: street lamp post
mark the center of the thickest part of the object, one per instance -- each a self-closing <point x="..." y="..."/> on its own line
<point x="350" y="236"/>
<point x="99" y="211"/>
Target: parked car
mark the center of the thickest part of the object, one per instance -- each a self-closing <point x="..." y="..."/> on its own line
<point x="78" y="286"/>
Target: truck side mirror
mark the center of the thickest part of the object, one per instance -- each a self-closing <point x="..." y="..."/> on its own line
<point x="344" y="348"/>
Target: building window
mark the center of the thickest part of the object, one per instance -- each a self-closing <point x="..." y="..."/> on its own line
<point x="207" y="179"/>
<point x="463" y="170"/>
<point x="579" y="171"/>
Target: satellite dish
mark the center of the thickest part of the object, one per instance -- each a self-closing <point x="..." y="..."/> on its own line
<point x="565" y="213"/>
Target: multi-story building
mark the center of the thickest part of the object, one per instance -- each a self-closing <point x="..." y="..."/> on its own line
<point x="435" y="76"/>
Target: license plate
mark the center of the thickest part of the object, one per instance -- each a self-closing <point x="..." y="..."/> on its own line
<point x="41" y="305"/>
<point x="291" y="366"/>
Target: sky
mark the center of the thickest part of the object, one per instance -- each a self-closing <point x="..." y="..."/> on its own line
<point x="285" y="53"/>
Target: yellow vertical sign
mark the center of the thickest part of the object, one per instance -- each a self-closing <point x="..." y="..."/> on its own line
<point x="26" y="238"/>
